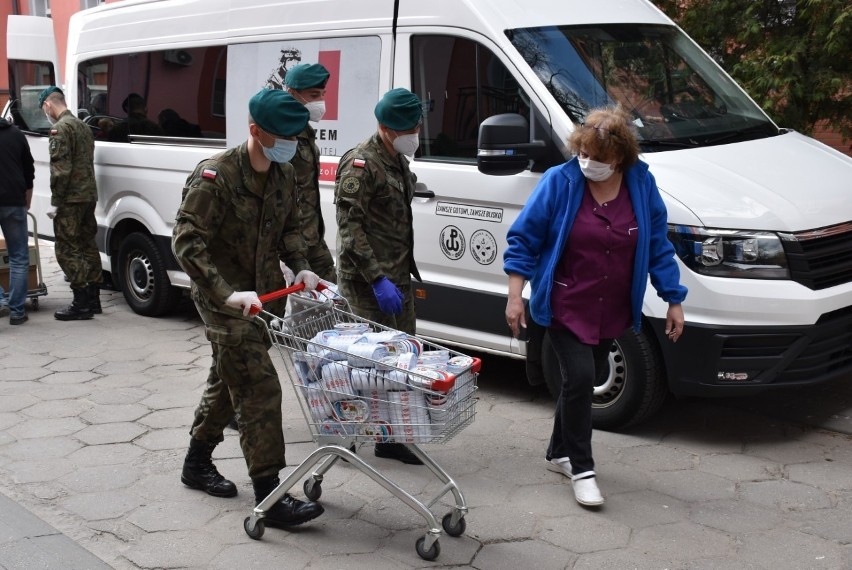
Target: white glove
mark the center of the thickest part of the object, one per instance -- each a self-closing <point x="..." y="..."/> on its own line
<point x="309" y="278"/>
<point x="51" y="212"/>
<point x="288" y="274"/>
<point x="243" y="301"/>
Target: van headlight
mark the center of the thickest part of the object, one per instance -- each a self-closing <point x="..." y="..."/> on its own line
<point x="730" y="253"/>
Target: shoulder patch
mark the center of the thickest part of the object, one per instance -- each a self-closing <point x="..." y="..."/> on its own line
<point x="209" y="174"/>
<point x="53" y="131"/>
<point x="350" y="184"/>
<point x="359" y="163"/>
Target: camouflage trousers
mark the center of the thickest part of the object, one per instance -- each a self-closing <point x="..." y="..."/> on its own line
<point x="75" y="229"/>
<point x="242" y="379"/>
<point x="321" y="261"/>
<point x="363" y="303"/>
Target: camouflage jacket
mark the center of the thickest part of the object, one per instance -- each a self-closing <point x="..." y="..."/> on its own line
<point x="72" y="161"/>
<point x="373" y="192"/>
<point x="231" y="231"/>
<point x="307" y="164"/>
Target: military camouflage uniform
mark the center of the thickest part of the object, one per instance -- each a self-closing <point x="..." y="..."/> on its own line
<point x="74" y="194"/>
<point x="307" y="165"/>
<point x="230" y="232"/>
<point x="373" y="193"/>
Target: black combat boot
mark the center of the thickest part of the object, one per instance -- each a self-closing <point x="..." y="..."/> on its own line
<point x="200" y="473"/>
<point x="398" y="451"/>
<point x="79" y="309"/>
<point x="288" y="511"/>
<point x="94" y="290"/>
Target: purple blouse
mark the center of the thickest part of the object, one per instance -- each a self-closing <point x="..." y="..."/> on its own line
<point x="591" y="292"/>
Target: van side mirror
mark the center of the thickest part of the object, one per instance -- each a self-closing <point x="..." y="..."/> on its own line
<point x="504" y="146"/>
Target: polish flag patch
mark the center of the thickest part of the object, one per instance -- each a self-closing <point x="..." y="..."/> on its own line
<point x="359" y="163"/>
<point x="209" y="173"/>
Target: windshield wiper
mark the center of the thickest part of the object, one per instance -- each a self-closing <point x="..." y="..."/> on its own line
<point x="745" y="134"/>
<point x="654" y="143"/>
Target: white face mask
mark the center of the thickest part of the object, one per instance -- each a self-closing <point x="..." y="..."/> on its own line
<point x="50" y="119"/>
<point x="282" y="151"/>
<point x="594" y="170"/>
<point x="316" y="109"/>
<point x="406" y="144"/>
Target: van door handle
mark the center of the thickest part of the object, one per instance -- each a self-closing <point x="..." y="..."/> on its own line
<point x="422" y="191"/>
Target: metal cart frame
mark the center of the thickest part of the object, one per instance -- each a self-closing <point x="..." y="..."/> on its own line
<point x="292" y="334"/>
<point x="40" y="288"/>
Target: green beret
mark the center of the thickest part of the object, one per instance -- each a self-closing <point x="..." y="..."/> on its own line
<point x="46" y="93"/>
<point x="399" y="109"/>
<point x="306" y="76"/>
<point x="278" y="113"/>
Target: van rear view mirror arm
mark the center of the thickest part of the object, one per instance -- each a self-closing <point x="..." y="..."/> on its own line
<point x="504" y="146"/>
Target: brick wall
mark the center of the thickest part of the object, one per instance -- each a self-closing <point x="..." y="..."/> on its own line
<point x="832" y="138"/>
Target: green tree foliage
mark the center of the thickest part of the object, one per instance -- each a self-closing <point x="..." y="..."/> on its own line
<point x="794" y="57"/>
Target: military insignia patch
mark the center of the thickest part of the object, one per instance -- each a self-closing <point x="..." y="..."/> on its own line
<point x="350" y="185"/>
<point x="209" y="173"/>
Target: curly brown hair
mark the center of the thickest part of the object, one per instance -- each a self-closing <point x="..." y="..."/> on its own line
<point x="607" y="135"/>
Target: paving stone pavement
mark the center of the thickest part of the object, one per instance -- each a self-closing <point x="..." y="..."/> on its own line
<point x="94" y="423"/>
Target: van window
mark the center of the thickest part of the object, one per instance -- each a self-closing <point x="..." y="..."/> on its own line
<point x="168" y="93"/>
<point x="677" y="95"/>
<point x="27" y="79"/>
<point x="462" y="83"/>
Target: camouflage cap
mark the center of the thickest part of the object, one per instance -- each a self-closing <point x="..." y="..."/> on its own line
<point x="399" y="109"/>
<point x="306" y="76"/>
<point x="278" y="113"/>
<point x="47" y="93"/>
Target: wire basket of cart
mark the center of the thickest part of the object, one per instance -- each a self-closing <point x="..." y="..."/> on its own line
<point x="357" y="382"/>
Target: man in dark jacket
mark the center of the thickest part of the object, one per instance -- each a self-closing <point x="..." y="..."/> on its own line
<point x="16" y="192"/>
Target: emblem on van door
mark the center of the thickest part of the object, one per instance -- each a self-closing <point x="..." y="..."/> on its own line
<point x="452" y="242"/>
<point x="483" y="247"/>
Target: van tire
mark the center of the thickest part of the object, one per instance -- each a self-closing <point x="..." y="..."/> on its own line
<point x="634" y="389"/>
<point x="143" y="278"/>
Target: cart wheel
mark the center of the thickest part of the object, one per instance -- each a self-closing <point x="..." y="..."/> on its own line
<point x="34" y="304"/>
<point x="456" y="530"/>
<point x="430" y="554"/>
<point x="313" y="489"/>
<point x="256" y="532"/>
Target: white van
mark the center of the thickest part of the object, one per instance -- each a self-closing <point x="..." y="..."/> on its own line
<point x="761" y="217"/>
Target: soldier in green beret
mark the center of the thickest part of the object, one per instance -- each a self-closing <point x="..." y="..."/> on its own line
<point x="306" y="82"/>
<point x="375" y="241"/>
<point x="238" y="221"/>
<point x="73" y="196"/>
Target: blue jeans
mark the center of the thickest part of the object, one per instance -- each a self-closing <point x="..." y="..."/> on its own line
<point x="13" y="222"/>
<point x="580" y="365"/>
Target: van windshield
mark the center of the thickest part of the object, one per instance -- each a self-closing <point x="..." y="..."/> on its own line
<point x="676" y="94"/>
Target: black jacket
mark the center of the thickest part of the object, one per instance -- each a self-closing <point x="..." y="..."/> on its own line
<point x="16" y="166"/>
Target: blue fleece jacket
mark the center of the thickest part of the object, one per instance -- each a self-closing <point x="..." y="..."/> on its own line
<point x="537" y="238"/>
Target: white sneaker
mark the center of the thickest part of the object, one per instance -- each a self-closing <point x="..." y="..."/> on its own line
<point x="560" y="465"/>
<point x="586" y="490"/>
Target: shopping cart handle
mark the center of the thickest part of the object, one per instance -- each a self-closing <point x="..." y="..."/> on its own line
<point x="275" y="295"/>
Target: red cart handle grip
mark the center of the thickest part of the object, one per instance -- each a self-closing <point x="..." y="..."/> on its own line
<point x="275" y="295"/>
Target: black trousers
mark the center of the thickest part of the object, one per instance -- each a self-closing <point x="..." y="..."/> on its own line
<point x="580" y="365"/>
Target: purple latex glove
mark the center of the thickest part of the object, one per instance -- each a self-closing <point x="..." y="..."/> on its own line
<point x="388" y="296"/>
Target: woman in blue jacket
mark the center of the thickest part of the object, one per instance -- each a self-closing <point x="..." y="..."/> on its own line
<point x="591" y="234"/>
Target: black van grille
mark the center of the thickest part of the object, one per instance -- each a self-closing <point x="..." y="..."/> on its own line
<point x="820" y="258"/>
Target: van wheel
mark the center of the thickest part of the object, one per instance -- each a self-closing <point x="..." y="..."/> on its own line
<point x="143" y="276"/>
<point x="633" y="389"/>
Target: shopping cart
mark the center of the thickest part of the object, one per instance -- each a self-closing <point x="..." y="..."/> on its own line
<point x="35" y="279"/>
<point x="357" y="381"/>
